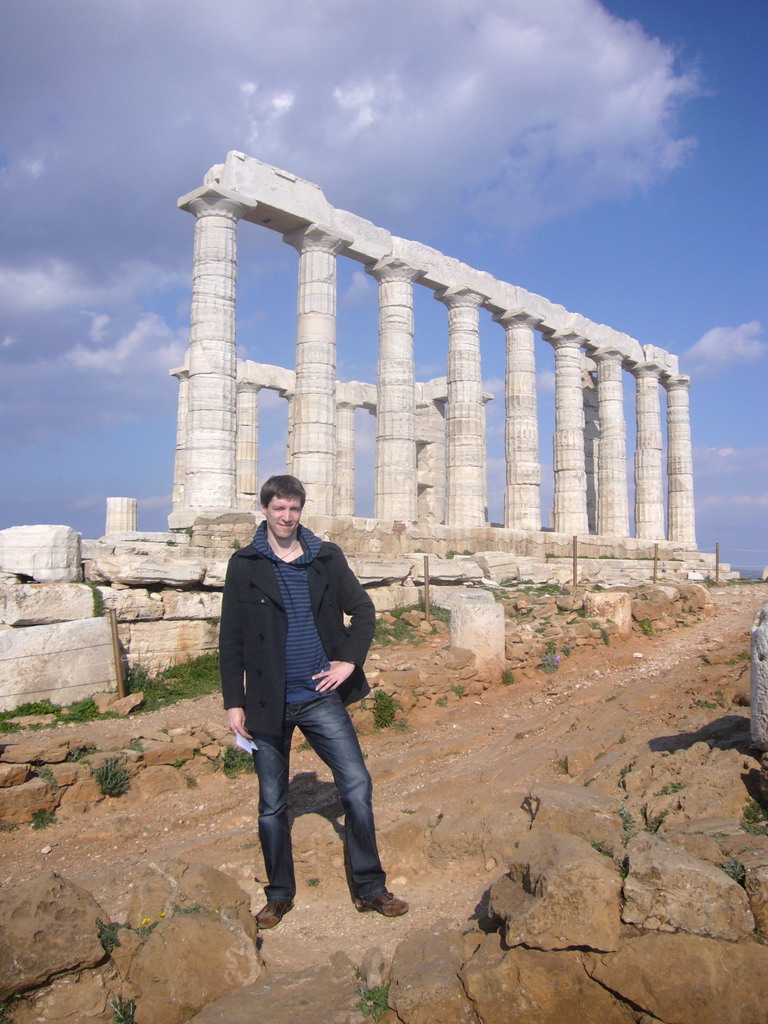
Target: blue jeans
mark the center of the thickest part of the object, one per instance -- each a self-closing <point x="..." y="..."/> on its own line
<point x="329" y="731"/>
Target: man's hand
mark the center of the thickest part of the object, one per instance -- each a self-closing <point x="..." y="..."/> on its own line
<point x="236" y="722"/>
<point x="334" y="676"/>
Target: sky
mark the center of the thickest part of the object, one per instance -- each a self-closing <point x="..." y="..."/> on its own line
<point x="609" y="156"/>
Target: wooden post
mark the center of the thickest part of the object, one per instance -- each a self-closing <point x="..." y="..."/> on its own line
<point x="575" y="562"/>
<point x="655" y="562"/>
<point x="118" y="658"/>
<point x="426" y="588"/>
<point x="717" y="565"/>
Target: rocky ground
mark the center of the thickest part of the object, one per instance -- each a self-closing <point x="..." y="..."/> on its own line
<point x="460" y="773"/>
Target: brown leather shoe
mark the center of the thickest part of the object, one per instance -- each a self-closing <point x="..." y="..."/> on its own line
<point x="273" y="912"/>
<point x="383" y="903"/>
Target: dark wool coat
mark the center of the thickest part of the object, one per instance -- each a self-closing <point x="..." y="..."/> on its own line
<point x="254" y="627"/>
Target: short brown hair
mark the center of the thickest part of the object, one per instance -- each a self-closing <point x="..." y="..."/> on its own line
<point x="282" y="486"/>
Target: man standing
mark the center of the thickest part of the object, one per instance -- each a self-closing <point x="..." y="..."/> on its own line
<point x="288" y="660"/>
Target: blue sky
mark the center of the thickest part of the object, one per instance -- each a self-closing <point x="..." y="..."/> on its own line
<point x="611" y="157"/>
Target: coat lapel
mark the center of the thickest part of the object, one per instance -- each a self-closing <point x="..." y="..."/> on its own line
<point x="262" y="575"/>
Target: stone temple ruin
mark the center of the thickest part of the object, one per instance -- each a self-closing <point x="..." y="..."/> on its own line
<point x="430" y="436"/>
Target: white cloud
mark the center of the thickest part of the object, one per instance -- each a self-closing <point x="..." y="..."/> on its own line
<point x="7" y="341"/>
<point x="545" y="380"/>
<point x="724" y="347"/>
<point x="149" y="345"/>
<point x="360" y="290"/>
<point x="728" y="461"/>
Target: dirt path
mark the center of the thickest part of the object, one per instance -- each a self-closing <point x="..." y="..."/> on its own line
<point x="447" y="756"/>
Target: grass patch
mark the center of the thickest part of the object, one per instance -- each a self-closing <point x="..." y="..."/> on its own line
<point x="42" y="819"/>
<point x="108" y="934"/>
<point x="195" y="678"/>
<point x="735" y="869"/>
<point x="754" y="818"/>
<point x="373" y="1002"/>
<point x="123" y="1010"/>
<point x="313" y="883"/>
<point x="384" y="708"/>
<point x="628" y="826"/>
<point x="507" y="677"/>
<point x="671" y="787"/>
<point x="646" y="627"/>
<point x="235" y="761"/>
<point x="112" y="777"/>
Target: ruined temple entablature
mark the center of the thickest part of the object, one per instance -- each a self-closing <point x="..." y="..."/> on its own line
<point x="430" y="461"/>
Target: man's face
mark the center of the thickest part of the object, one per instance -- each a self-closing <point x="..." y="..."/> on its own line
<point x="283" y="516"/>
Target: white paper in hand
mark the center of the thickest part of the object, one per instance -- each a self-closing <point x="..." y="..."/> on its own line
<point x="245" y="743"/>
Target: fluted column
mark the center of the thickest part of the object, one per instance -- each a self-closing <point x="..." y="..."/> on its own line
<point x="182" y="376"/>
<point x="345" y="459"/>
<point x="247" y="446"/>
<point x="591" y="440"/>
<point x="209" y="462"/>
<point x="570" y="504"/>
<point x="395" y="479"/>
<point x="313" y="438"/>
<point x="122" y="514"/>
<point x="612" y="502"/>
<point x="465" y="414"/>
<point x="649" y="484"/>
<point x="522" y="496"/>
<point x="430" y="455"/>
<point x="681" y="517"/>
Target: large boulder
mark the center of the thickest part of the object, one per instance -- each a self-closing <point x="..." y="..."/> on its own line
<point x="536" y="987"/>
<point x="49" y="926"/>
<point x="559" y="893"/>
<point x="687" y="979"/>
<point x="669" y="890"/>
<point x="425" y="987"/>
<point x="47" y="554"/>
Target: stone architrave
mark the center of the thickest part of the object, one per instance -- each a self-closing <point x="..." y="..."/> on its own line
<point x="247" y="446"/>
<point x="395" y="480"/>
<point x="465" y="414"/>
<point x="759" y="701"/>
<point x="179" y="461"/>
<point x="612" y="506"/>
<point x="649" y="486"/>
<point x="122" y="515"/>
<point x="591" y="441"/>
<point x="345" y="458"/>
<point x="522" y="500"/>
<point x="681" y="517"/>
<point x="47" y="554"/>
<point x="209" y="460"/>
<point x="313" y="427"/>
<point x="570" y="505"/>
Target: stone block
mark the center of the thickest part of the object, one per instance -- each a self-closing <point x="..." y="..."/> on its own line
<point x="19" y="803"/>
<point x="477" y="624"/>
<point x="670" y="890"/>
<point x="63" y="915"/>
<point x="62" y="662"/>
<point x="35" y="604"/>
<point x="759" y="678"/>
<point x="191" y="604"/>
<point x="610" y="604"/>
<point x="157" y="645"/>
<point x="425" y="987"/>
<point x="14" y="774"/>
<point x="498" y="566"/>
<point x="135" y="570"/>
<point x="133" y="604"/>
<point x="47" y="554"/>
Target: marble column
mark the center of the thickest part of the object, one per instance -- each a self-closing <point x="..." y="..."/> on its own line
<point x="209" y="461"/>
<point x="247" y="446"/>
<point x="345" y="459"/>
<point x="649" y="483"/>
<point x="612" y="502"/>
<point x="430" y="454"/>
<point x="681" y="517"/>
<point x="313" y="436"/>
<point x="570" y="504"/>
<point x="395" y="477"/>
<point x="522" y="496"/>
<point x="465" y="415"/>
<point x="182" y="376"/>
<point x="122" y="515"/>
<point x="591" y="439"/>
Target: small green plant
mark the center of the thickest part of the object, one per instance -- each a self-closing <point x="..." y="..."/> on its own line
<point x="123" y="1010"/>
<point x="78" y="753"/>
<point x="191" y="781"/>
<point x="113" y="777"/>
<point x="622" y="738"/>
<point x="458" y="689"/>
<point x="628" y="826"/>
<point x="754" y="818"/>
<point x="373" y="1002"/>
<point x="215" y="621"/>
<point x="653" y="822"/>
<point x="646" y="627"/>
<point x="441" y="614"/>
<point x="450" y="553"/>
<point x="550" y="660"/>
<point x="195" y="678"/>
<point x="735" y="869"/>
<point x="235" y="545"/>
<point x="46" y="773"/>
<point x="604" y="636"/>
<point x="385" y="707"/>
<point x="136" y="745"/>
<point x="108" y="934"/>
<point x="42" y="819"/>
<point x="565" y="650"/>
<point x="507" y="677"/>
<point x="82" y="710"/>
<point x="235" y="761"/>
<point x="442" y="702"/>
<point x="98" y="608"/>
<point x="626" y="770"/>
<point x="603" y="848"/>
<point x="704" y="704"/>
<point x="313" y="883"/>
<point x="8" y="826"/>
<point x="671" y="787"/>
<point x="562" y="765"/>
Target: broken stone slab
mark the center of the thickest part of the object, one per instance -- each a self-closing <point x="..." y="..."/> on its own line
<point x="117" y="705"/>
<point x="670" y="890"/>
<point x="19" y="804"/>
<point x="158" y="645"/>
<point x="63" y="914"/>
<point x="191" y="604"/>
<point x="542" y="897"/>
<point x="138" y="571"/>
<point x="498" y="566"/>
<point x="610" y="604"/>
<point x="688" y="979"/>
<point x="73" y="998"/>
<point x="477" y="624"/>
<point x="425" y="986"/>
<point x="35" y="751"/>
<point x="133" y="604"/>
<point x="14" y="774"/>
<point x="35" y="604"/>
<point x="47" y="554"/>
<point x="759" y="679"/>
<point x="63" y="662"/>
